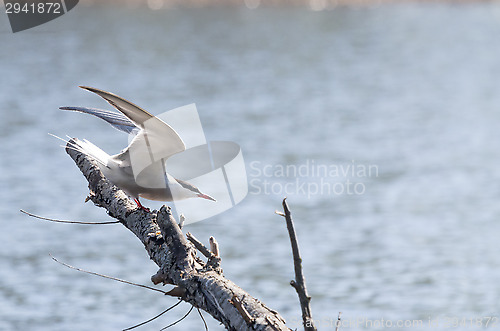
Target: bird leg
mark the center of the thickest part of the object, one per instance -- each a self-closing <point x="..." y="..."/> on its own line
<point x="140" y="205"/>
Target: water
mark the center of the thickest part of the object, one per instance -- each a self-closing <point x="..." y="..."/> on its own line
<point x="410" y="89"/>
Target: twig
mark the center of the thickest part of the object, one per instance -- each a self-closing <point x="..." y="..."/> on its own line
<point x="199" y="246"/>
<point x="213" y="257"/>
<point x="238" y="304"/>
<point x="337" y="327"/>
<point x="214" y="246"/>
<point x="182" y="219"/>
<point x="109" y="277"/>
<point x="299" y="283"/>
<point x="183" y="317"/>
<point x="271" y="324"/>
<point x="153" y="318"/>
<point x="203" y="319"/>
<point x="64" y="221"/>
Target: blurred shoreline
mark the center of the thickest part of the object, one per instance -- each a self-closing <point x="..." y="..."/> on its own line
<point x="252" y="4"/>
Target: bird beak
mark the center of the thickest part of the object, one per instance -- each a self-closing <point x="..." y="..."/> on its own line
<point x="204" y="196"/>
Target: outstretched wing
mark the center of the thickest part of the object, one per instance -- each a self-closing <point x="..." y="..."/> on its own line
<point x="117" y="120"/>
<point x="155" y="141"/>
<point x="135" y="113"/>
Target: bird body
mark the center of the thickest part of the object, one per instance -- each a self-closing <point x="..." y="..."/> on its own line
<point x="139" y="169"/>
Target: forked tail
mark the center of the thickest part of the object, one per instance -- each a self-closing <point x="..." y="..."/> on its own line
<point x="86" y="147"/>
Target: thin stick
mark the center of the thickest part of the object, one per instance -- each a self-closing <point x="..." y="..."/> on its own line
<point x="183" y="317"/>
<point x="214" y="246"/>
<point x="182" y="218"/>
<point x="238" y="304"/>
<point x="63" y="221"/>
<point x="202" y="248"/>
<point x="203" y="319"/>
<point x="338" y="322"/>
<point x="299" y="283"/>
<point x="153" y="318"/>
<point x="108" y="277"/>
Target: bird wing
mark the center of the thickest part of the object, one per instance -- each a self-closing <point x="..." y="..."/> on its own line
<point x="117" y="120"/>
<point x="135" y="113"/>
<point x="155" y="141"/>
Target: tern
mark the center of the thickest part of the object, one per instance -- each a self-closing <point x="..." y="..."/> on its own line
<point x="139" y="169"/>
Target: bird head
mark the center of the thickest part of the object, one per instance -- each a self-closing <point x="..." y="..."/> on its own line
<point x="191" y="191"/>
<point x="205" y="196"/>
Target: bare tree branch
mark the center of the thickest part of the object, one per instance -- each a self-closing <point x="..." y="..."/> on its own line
<point x="238" y="303"/>
<point x="199" y="245"/>
<point x="202" y="286"/>
<point x="299" y="283"/>
<point x="64" y="221"/>
<point x="109" y="277"/>
<point x="203" y="319"/>
<point x="214" y="246"/>
<point x="153" y="318"/>
<point x="337" y="327"/>
<point x="179" y="320"/>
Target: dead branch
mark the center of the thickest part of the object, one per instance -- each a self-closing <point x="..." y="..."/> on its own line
<point x="214" y="246"/>
<point x="202" y="286"/>
<point x="203" y="319"/>
<point x="299" y="283"/>
<point x="154" y="317"/>
<point x="64" y="221"/>
<point x="179" y="320"/>
<point x="337" y="324"/>
<point x="171" y="292"/>
<point x="214" y="260"/>
<point x="199" y="246"/>
<point x="238" y="303"/>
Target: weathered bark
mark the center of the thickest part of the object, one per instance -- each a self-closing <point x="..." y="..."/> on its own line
<point x="201" y="284"/>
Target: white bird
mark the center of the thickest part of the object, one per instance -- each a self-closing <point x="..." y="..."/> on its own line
<point x="139" y="169"/>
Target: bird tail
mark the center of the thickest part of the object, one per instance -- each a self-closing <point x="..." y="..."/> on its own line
<point x="86" y="147"/>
